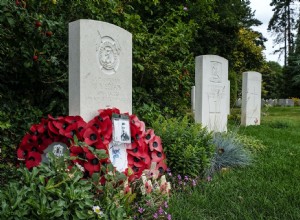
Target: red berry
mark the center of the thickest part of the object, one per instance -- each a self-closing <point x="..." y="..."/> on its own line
<point x="17" y="3"/>
<point x="38" y="24"/>
<point x="35" y="58"/>
<point x="49" y="33"/>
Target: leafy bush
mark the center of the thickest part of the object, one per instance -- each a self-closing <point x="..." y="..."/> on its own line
<point x="250" y="143"/>
<point x="48" y="192"/>
<point x="228" y="153"/>
<point x="187" y="145"/>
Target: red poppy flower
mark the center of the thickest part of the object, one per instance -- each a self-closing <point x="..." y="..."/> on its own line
<point x="44" y="142"/>
<point x="72" y="119"/>
<point x="108" y="112"/>
<point x="37" y="129"/>
<point x="161" y="166"/>
<point x="92" y="165"/>
<point x="90" y="135"/>
<point x="34" y="159"/>
<point x="138" y="150"/>
<point x="22" y="153"/>
<point x="77" y="151"/>
<point x="137" y="134"/>
<point x="149" y="135"/>
<point x="155" y="144"/>
<point x="157" y="156"/>
<point x="71" y="130"/>
<point x="147" y="160"/>
<point x="53" y="130"/>
<point x="61" y="125"/>
<point x="136" y="161"/>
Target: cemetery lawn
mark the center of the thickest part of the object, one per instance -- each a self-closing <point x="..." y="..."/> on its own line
<point x="268" y="189"/>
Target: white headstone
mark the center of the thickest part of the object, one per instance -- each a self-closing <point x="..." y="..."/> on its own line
<point x="290" y="102"/>
<point x="211" y="96"/>
<point x="228" y="97"/>
<point x="238" y="102"/>
<point x="193" y="98"/>
<point x="100" y="68"/>
<point x="282" y="102"/>
<point x="251" y="98"/>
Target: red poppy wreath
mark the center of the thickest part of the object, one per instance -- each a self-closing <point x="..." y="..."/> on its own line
<point x="145" y="147"/>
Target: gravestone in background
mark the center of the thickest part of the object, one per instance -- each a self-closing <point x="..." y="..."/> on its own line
<point x="290" y="102"/>
<point x="238" y="102"/>
<point x="251" y="98"/>
<point x="211" y="95"/>
<point x="281" y="102"/>
<point x="100" y="68"/>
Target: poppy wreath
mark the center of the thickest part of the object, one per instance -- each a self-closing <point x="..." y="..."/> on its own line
<point x="146" y="147"/>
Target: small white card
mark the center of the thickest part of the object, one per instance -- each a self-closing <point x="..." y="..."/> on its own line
<point x="118" y="156"/>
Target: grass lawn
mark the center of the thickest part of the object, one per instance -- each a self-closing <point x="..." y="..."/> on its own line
<point x="268" y="189"/>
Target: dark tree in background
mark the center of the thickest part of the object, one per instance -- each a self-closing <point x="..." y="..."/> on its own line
<point x="282" y="24"/>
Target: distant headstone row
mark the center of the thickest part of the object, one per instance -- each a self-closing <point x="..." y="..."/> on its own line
<point x="270" y="102"/>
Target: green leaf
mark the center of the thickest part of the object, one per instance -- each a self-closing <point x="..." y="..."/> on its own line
<point x="80" y="215"/>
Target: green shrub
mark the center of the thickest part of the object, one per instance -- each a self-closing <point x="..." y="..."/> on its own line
<point x="250" y="143"/>
<point x="187" y="145"/>
<point x="228" y="153"/>
<point x="47" y="193"/>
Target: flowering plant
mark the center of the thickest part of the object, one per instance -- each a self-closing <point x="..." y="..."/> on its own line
<point x="96" y="134"/>
<point x="152" y="194"/>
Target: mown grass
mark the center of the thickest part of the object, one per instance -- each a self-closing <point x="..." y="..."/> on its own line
<point x="268" y="189"/>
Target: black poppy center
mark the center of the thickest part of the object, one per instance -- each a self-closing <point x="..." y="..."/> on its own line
<point x="31" y="158"/>
<point x="135" y="150"/>
<point x="35" y="133"/>
<point x="95" y="161"/>
<point x="132" y="140"/>
<point x="73" y="132"/>
<point x="100" y="118"/>
<point x="46" y="134"/>
<point x="135" y="169"/>
<point x="40" y="141"/>
<point x="65" y="125"/>
<point x="161" y="170"/>
<point x="34" y="149"/>
<point x="148" y="136"/>
<point x="155" y="144"/>
<point x="24" y="152"/>
<point x="159" y="154"/>
<point x="96" y="126"/>
<point x="93" y="137"/>
<point x="80" y="128"/>
<point x="86" y="174"/>
<point x="82" y="156"/>
<point x="135" y="159"/>
<point x="137" y="137"/>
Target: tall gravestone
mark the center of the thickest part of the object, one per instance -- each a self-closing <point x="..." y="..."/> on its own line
<point x="193" y="99"/>
<point x="251" y="98"/>
<point x="100" y="68"/>
<point x="211" y="95"/>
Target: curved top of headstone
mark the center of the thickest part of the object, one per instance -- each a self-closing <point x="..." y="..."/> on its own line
<point x="96" y="22"/>
<point x="253" y="75"/>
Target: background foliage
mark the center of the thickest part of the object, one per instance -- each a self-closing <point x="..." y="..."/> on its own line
<point x="167" y="35"/>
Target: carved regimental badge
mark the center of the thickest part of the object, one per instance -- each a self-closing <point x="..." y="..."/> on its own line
<point x="108" y="52"/>
<point x="216" y="71"/>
